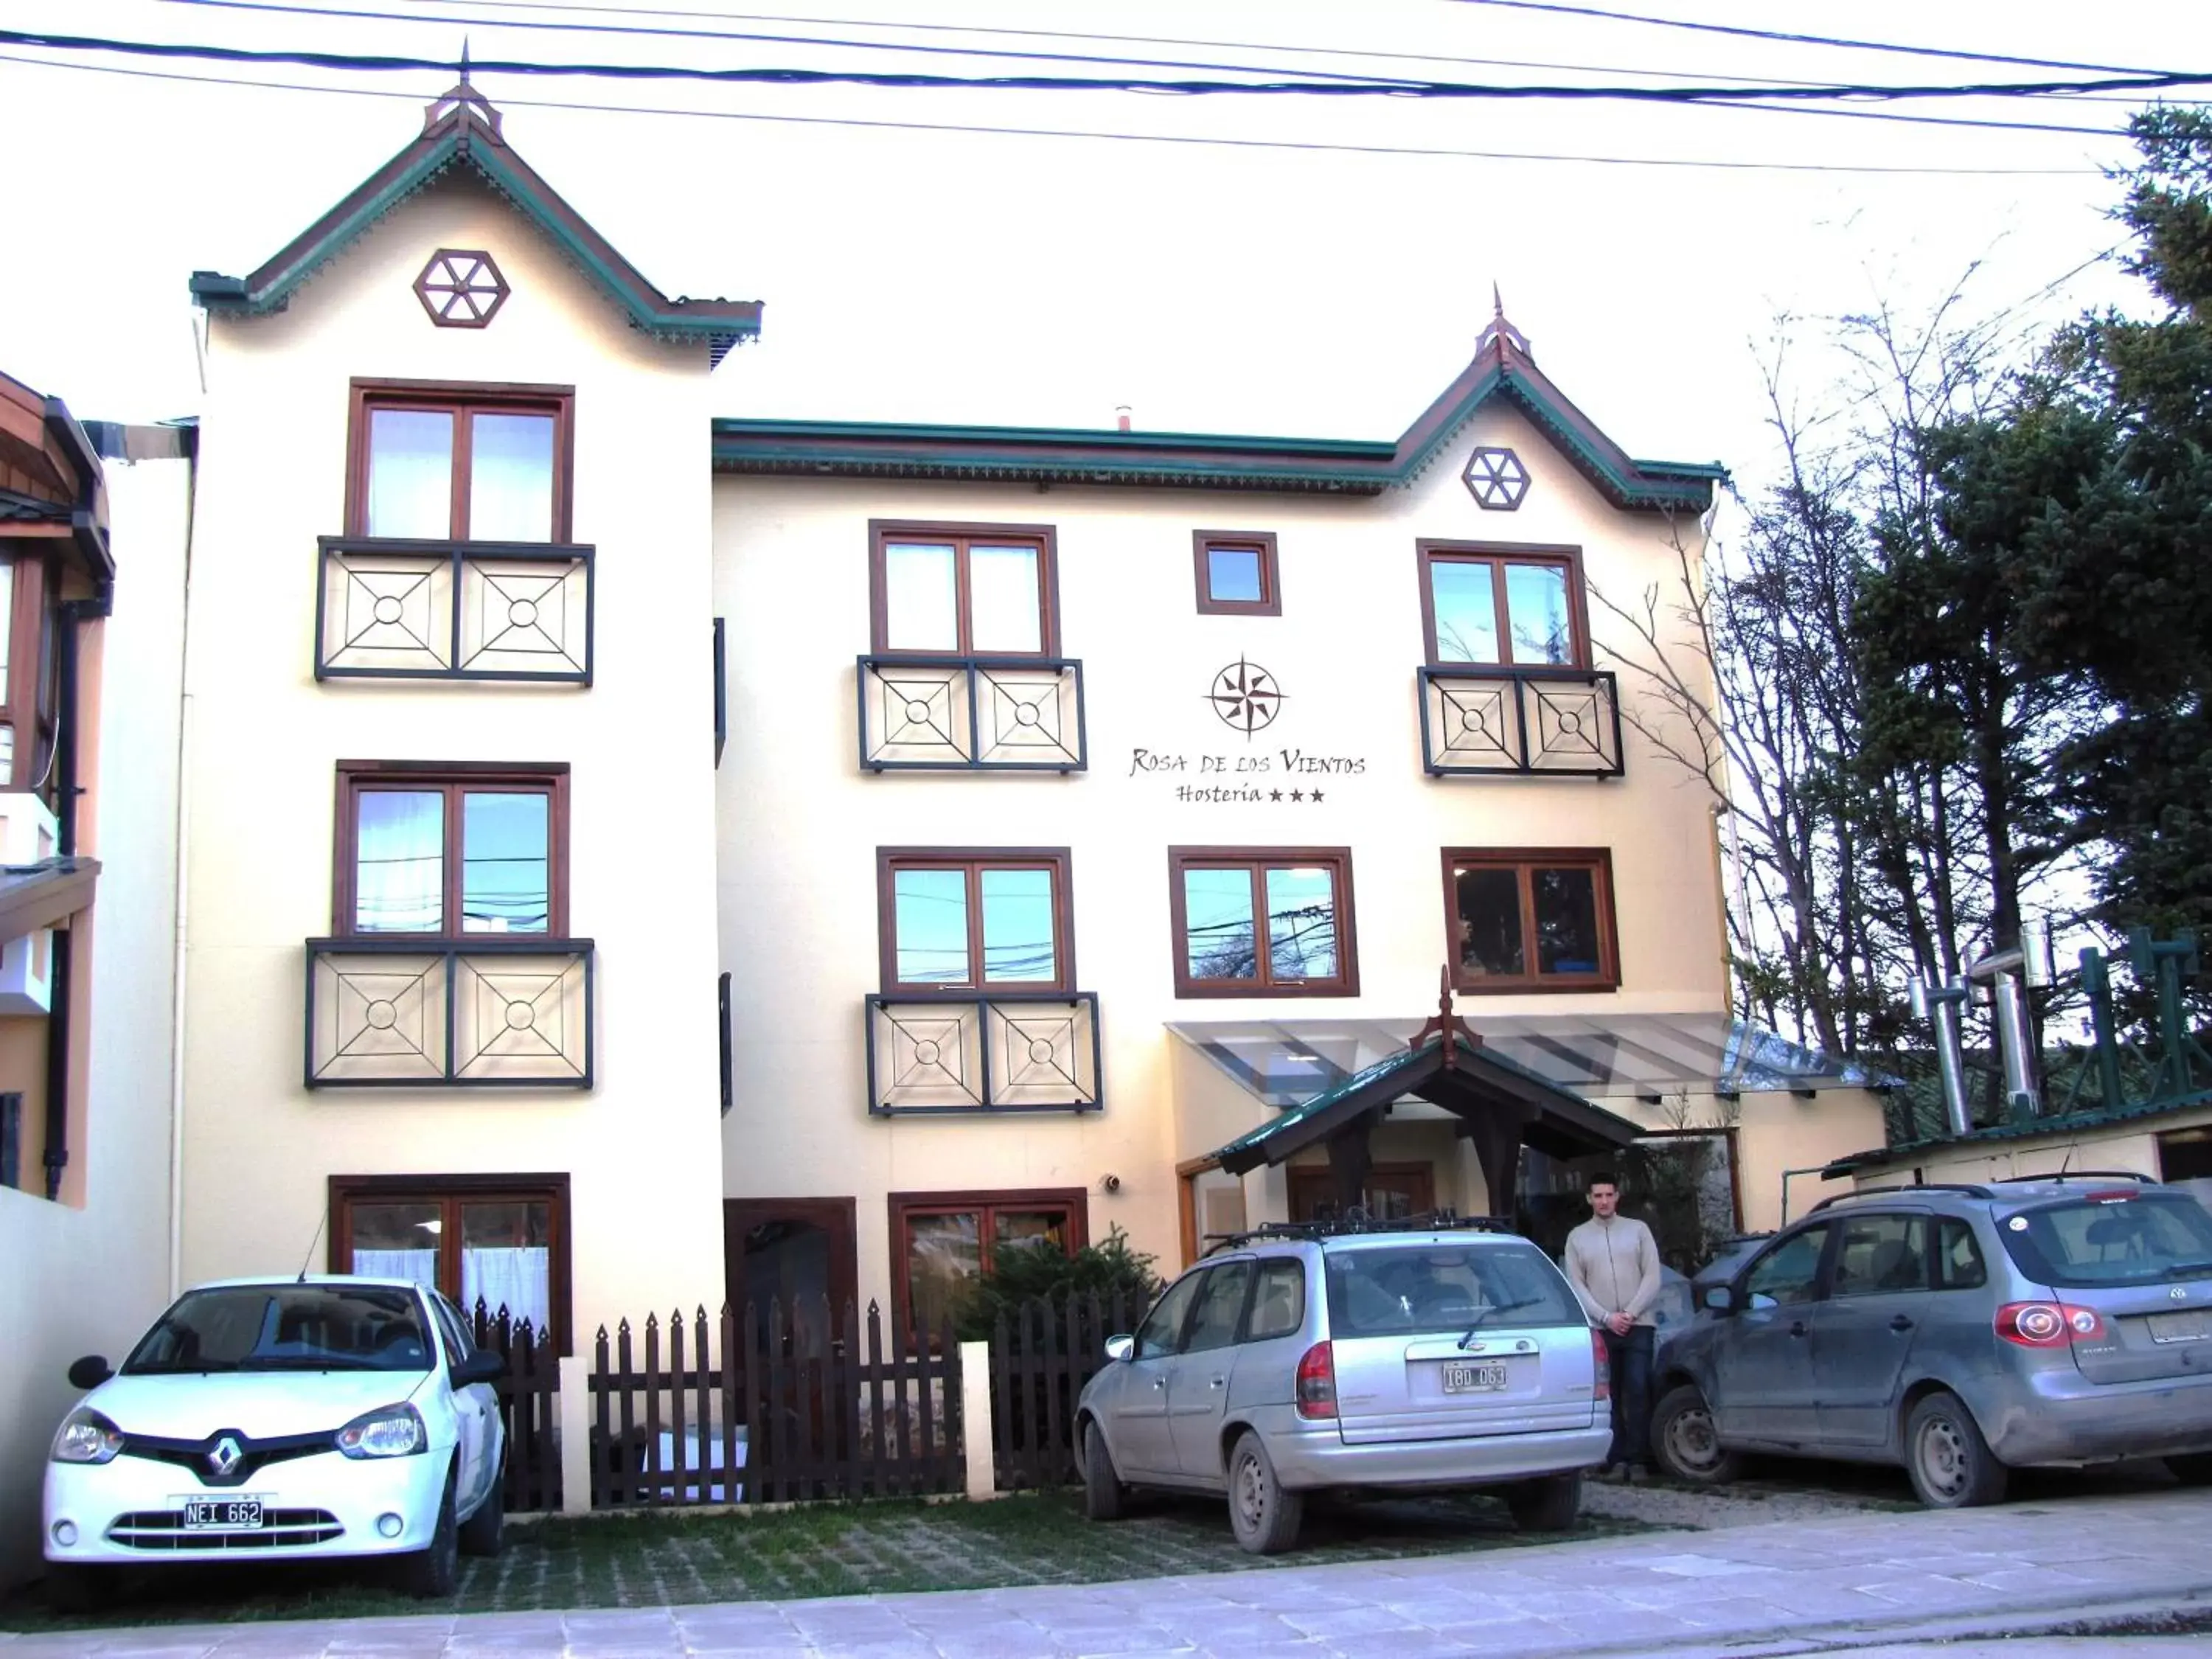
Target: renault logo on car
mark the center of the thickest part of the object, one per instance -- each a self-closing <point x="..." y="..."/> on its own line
<point x="225" y="1455"/>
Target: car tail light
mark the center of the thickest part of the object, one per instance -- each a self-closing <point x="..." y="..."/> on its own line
<point x="1317" y="1381"/>
<point x="1602" y="1361"/>
<point x="2048" y="1324"/>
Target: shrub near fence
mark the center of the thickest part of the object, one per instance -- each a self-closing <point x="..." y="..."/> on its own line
<point x="1040" y="1360"/>
<point x="529" y="1404"/>
<point x="674" y="1425"/>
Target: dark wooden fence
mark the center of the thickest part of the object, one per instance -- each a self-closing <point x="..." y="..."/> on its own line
<point x="794" y="1407"/>
<point x="1040" y="1358"/>
<point x="529" y="1401"/>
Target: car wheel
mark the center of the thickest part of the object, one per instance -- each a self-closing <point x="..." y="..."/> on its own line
<point x="1264" y="1517"/>
<point x="433" y="1573"/>
<point x="2194" y="1469"/>
<point x="1687" y="1445"/>
<point x="1951" y="1465"/>
<point x="483" y="1532"/>
<point x="73" y="1587"/>
<point x="1103" y="1494"/>
<point x="1552" y="1505"/>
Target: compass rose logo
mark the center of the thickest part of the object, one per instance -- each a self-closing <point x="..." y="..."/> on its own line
<point x="1246" y="697"/>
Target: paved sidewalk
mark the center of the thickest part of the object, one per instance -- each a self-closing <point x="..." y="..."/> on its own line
<point x="1793" y="1586"/>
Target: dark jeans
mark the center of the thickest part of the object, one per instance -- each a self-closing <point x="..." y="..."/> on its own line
<point x="1631" y="1358"/>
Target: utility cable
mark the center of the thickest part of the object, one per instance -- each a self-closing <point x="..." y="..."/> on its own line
<point x="385" y="63"/>
<point x="1798" y="39"/>
<point x="896" y="47"/>
<point x="1065" y="132"/>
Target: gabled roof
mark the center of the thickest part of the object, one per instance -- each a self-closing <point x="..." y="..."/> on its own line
<point x="1501" y="368"/>
<point x="463" y="130"/>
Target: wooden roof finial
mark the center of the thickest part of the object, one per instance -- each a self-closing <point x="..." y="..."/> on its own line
<point x="1447" y="1025"/>
<point x="1498" y="329"/>
<point x="462" y="104"/>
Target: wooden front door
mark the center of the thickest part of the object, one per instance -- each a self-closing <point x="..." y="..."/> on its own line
<point x="1392" y="1191"/>
<point x="793" y="1252"/>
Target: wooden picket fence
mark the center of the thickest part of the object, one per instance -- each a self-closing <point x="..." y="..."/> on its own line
<point x="1040" y="1360"/>
<point x="529" y="1401"/>
<point x="756" y="1409"/>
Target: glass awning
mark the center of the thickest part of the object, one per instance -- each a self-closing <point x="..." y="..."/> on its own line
<point x="1644" y="1056"/>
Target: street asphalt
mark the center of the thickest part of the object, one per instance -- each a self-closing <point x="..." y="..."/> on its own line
<point x="1875" y="1584"/>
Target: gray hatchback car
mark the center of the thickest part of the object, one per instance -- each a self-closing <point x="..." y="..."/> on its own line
<point x="1422" y="1358"/>
<point x="1961" y="1330"/>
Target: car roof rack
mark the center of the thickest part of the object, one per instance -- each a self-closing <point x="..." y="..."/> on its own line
<point x="1972" y="1189"/>
<point x="2064" y="1176"/>
<point x="1357" y="1224"/>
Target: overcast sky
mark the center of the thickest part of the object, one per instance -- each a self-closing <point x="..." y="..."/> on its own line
<point x="980" y="278"/>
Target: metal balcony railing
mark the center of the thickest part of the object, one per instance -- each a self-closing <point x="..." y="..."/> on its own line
<point x="1029" y="1051"/>
<point x="453" y="610"/>
<point x="972" y="714"/>
<point x="1520" y="722"/>
<point x="491" y="1010"/>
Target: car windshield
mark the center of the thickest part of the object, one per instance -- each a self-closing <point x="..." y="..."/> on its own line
<point x="280" y="1327"/>
<point x="1390" y="1290"/>
<point x="2129" y="1239"/>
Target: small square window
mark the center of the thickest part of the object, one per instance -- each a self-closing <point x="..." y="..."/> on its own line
<point x="1536" y="920"/>
<point x="1236" y="573"/>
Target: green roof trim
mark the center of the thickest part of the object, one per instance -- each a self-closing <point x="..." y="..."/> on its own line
<point x="2072" y="1124"/>
<point x="463" y="128"/>
<point x="1501" y="368"/>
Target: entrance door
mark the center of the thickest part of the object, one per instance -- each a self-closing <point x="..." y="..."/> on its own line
<point x="1393" y="1191"/>
<point x="795" y="1251"/>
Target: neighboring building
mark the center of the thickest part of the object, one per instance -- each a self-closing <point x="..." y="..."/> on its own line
<point x="87" y="811"/>
<point x="463" y="884"/>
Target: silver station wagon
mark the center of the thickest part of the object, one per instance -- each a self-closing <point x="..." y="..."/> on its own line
<point x="1423" y="1358"/>
<point x="1961" y="1330"/>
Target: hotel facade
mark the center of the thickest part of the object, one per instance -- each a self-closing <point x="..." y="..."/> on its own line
<point x="1064" y="832"/>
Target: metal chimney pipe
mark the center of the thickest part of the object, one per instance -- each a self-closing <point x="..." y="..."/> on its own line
<point x="1940" y="1007"/>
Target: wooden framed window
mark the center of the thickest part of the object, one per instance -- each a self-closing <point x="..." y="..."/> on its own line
<point x="1262" y="922"/>
<point x="1236" y="571"/>
<point x="502" y="1238"/>
<point x="449" y="850"/>
<point x="975" y="920"/>
<point x="964" y="590"/>
<point x="429" y="461"/>
<point x="1526" y="918"/>
<point x="942" y="1241"/>
<point x="1504" y="603"/>
<point x="28" y="670"/>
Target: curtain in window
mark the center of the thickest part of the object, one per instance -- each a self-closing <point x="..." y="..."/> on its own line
<point x="419" y="1266"/>
<point x="410" y="473"/>
<point x="517" y="1279"/>
<point x="511" y="478"/>
<point x="1004" y="610"/>
<point x="399" y="861"/>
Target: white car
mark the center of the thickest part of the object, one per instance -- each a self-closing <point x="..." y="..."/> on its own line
<point x="282" y="1418"/>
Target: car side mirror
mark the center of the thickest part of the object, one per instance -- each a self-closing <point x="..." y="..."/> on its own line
<point x="1121" y="1347"/>
<point x="90" y="1372"/>
<point x="1721" y="1299"/>
<point x="484" y="1365"/>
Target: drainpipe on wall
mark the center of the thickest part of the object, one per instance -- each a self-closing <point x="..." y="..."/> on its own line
<point x="183" y="891"/>
<point x="74" y="614"/>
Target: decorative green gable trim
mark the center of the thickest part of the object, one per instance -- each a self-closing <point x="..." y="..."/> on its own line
<point x="461" y="128"/>
<point x="1502" y="368"/>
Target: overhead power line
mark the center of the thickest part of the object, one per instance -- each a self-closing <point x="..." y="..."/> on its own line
<point x="1671" y="162"/>
<point x="1801" y="40"/>
<point x="424" y="17"/>
<point x="385" y="63"/>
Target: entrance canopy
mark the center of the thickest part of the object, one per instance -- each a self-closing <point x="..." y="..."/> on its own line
<point x="1501" y="1106"/>
<point x="1287" y="1063"/>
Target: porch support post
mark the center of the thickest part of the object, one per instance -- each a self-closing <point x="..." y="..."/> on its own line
<point x="1350" y="1160"/>
<point x="1495" y="1132"/>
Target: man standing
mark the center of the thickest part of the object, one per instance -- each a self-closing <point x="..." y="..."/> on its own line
<point x="1613" y="1261"/>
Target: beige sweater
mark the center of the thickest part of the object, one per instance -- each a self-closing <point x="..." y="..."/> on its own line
<point x="1615" y="1268"/>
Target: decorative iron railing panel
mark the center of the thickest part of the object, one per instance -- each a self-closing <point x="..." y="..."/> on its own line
<point x="453" y="610"/>
<point x="972" y="714"/>
<point x="507" y="1011"/>
<point x="1520" y="722"/>
<point x="1032" y="1051"/>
